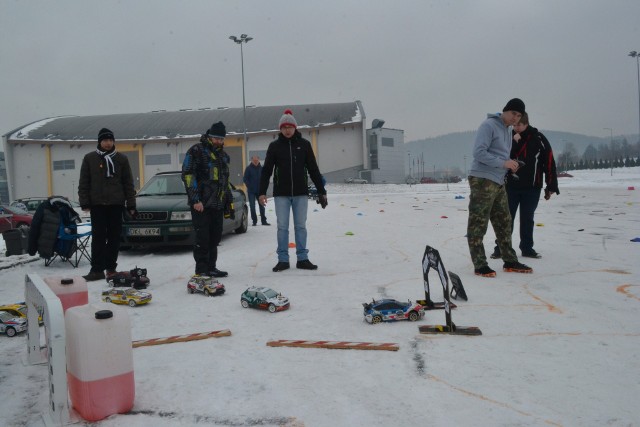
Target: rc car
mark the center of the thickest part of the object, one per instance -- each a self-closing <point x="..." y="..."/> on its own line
<point x="18" y="309"/>
<point x="136" y="278"/>
<point x="129" y="296"/>
<point x="388" y="310"/>
<point x="206" y="285"/>
<point x="264" y="298"/>
<point x="11" y="325"/>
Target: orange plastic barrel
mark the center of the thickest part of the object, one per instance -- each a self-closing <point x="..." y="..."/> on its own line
<point x="72" y="291"/>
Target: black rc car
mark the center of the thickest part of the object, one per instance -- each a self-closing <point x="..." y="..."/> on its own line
<point x="136" y="278"/>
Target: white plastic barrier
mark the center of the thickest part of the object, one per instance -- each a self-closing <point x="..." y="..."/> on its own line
<point x="41" y="300"/>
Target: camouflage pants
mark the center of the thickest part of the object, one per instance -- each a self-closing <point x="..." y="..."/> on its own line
<point x="488" y="202"/>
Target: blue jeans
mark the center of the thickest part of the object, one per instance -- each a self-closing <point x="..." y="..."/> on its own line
<point x="297" y="205"/>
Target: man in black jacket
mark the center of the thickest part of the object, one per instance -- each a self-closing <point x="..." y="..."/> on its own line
<point x="289" y="159"/>
<point x="105" y="187"/>
<point x="523" y="188"/>
<point x="205" y="173"/>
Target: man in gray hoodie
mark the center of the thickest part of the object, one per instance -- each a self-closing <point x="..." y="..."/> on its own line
<point x="488" y="199"/>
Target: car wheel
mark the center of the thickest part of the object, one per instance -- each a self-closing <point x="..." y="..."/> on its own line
<point x="190" y="290"/>
<point x="244" y="222"/>
<point x="132" y="303"/>
<point x="376" y="319"/>
<point x="107" y="299"/>
<point x="244" y="303"/>
<point x="10" y="332"/>
<point x="272" y="308"/>
<point x="207" y="293"/>
<point x="413" y="316"/>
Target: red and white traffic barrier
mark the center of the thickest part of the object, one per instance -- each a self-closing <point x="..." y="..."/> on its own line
<point x="347" y="345"/>
<point x="182" y="338"/>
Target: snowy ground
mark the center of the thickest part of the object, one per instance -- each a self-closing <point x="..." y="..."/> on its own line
<point x="560" y="346"/>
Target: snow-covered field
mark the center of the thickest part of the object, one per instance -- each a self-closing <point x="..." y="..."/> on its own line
<point x="560" y="346"/>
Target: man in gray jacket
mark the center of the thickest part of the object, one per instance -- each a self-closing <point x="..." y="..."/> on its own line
<point x="105" y="188"/>
<point x="488" y="199"/>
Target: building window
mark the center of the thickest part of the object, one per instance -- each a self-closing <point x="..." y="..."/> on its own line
<point x="60" y="165"/>
<point x="387" y="142"/>
<point x="157" y="159"/>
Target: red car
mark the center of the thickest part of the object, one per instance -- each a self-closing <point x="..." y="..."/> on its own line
<point x="12" y="217"/>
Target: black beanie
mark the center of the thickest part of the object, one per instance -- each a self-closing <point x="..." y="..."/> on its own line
<point x="514" y="104"/>
<point x="105" y="134"/>
<point x="217" y="130"/>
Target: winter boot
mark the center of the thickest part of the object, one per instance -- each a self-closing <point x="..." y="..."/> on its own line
<point x="280" y="266"/>
<point x="305" y="264"/>
<point x="516" y="267"/>
<point x="485" y="271"/>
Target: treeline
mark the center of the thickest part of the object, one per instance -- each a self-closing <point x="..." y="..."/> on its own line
<point x="619" y="153"/>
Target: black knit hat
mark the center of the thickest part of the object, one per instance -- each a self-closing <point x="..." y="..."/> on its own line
<point x="514" y="104"/>
<point x="217" y="130"/>
<point x="105" y="134"/>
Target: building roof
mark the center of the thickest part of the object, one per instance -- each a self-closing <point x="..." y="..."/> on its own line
<point x="186" y="123"/>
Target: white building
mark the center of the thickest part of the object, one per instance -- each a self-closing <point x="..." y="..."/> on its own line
<point x="44" y="158"/>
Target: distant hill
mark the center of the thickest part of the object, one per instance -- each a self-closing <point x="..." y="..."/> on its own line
<point x="447" y="152"/>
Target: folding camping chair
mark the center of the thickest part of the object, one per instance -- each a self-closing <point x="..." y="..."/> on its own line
<point x="71" y="245"/>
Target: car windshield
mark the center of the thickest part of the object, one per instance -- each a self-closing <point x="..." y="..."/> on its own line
<point x="270" y="293"/>
<point x="163" y="185"/>
<point x="14" y="210"/>
<point x="4" y="316"/>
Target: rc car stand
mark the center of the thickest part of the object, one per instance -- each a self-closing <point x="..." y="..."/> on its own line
<point x="432" y="259"/>
<point x="426" y="265"/>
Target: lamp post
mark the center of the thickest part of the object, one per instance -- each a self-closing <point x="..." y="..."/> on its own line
<point x="610" y="147"/>
<point x="243" y="39"/>
<point x="636" y="55"/>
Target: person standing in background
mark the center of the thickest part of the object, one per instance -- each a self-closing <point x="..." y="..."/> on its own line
<point x="251" y="179"/>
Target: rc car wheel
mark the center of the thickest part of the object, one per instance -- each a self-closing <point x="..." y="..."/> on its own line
<point x="132" y="303"/>
<point x="413" y="316"/>
<point x="244" y="303"/>
<point x="207" y="293"/>
<point x="376" y="319"/>
<point x="107" y="299"/>
<point x="190" y="290"/>
<point x="272" y="308"/>
<point x="10" y="332"/>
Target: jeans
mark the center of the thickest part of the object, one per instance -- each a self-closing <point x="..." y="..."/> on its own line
<point x="297" y="205"/>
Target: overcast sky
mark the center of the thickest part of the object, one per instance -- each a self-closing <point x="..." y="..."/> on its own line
<point x="428" y="67"/>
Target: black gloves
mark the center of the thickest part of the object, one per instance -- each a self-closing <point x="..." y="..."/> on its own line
<point x="322" y="200"/>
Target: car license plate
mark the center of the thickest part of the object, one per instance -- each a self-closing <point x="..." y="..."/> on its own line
<point x="143" y="232"/>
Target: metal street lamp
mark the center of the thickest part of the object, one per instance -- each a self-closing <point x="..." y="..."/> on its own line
<point x="243" y="39"/>
<point x="636" y="55"/>
<point x="610" y="147"/>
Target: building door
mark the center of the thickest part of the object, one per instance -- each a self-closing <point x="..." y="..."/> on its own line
<point x="134" y="162"/>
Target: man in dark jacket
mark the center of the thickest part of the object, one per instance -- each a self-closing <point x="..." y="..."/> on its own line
<point x="523" y="189"/>
<point x="251" y="179"/>
<point x="289" y="159"/>
<point x="205" y="173"/>
<point x="106" y="188"/>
